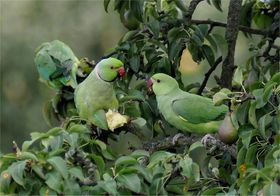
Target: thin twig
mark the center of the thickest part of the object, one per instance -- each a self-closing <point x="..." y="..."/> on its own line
<point x="244" y="29"/>
<point x="208" y="74"/>
<point x="109" y="55"/>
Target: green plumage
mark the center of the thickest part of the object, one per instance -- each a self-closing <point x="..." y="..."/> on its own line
<point x="56" y="64"/>
<point x="95" y="95"/>
<point x="186" y="111"/>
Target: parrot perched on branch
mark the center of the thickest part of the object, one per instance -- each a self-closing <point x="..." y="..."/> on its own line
<point x="56" y="64"/>
<point x="185" y="111"/>
<point x="95" y="95"/>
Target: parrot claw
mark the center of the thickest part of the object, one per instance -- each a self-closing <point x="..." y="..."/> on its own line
<point x="177" y="137"/>
<point x="206" y="138"/>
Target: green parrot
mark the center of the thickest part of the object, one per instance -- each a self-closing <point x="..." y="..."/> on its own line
<point x="56" y="64"/>
<point x="95" y="95"/>
<point x="185" y="111"/>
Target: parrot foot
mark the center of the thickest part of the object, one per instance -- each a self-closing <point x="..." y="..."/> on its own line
<point x="210" y="141"/>
<point x="205" y="140"/>
<point x="177" y="137"/>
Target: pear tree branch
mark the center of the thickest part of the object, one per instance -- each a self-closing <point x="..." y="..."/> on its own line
<point x="180" y="140"/>
<point x="232" y="29"/>
<point x="208" y="74"/>
<point x="266" y="33"/>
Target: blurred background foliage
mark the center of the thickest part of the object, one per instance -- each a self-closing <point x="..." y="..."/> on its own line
<point x="88" y="30"/>
<point x="83" y="25"/>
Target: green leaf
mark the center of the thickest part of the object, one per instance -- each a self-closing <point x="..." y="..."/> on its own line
<point x="181" y="5"/>
<point x="262" y="20"/>
<point x="135" y="63"/>
<point x="268" y="91"/>
<point x="77" y="172"/>
<point x="34" y="137"/>
<point x="130" y="181"/>
<point x="99" y="162"/>
<point x="126" y="170"/>
<point x="196" y="40"/>
<point x="195" y="145"/>
<point x="258" y="94"/>
<point x="242" y="112"/>
<point x="241" y="156"/>
<point x="27" y="155"/>
<point x="106" y="4"/>
<point x="246" y="136"/>
<point x="54" y="181"/>
<point x="222" y="44"/>
<point x="60" y="165"/>
<point x="196" y="172"/>
<point x="212" y="191"/>
<point x="109" y="184"/>
<point x="140" y="153"/>
<point x="71" y="187"/>
<point x="252" y="114"/>
<point x="251" y="154"/>
<point x="212" y="42"/>
<point x="78" y="128"/>
<point x="209" y="54"/>
<point x="144" y="172"/>
<point x="44" y="191"/>
<point x="186" y="165"/>
<point x="16" y="170"/>
<point x="238" y="76"/>
<point x="73" y="139"/>
<point x="263" y="122"/>
<point x="101" y="144"/>
<point x="38" y="169"/>
<point x="219" y="97"/>
<point x="271" y="189"/>
<point x="217" y="4"/>
<point x="158" y="157"/>
<point x="125" y="160"/>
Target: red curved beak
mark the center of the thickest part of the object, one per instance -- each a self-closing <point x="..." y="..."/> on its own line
<point x="149" y="86"/>
<point x="121" y="72"/>
<point x="149" y="83"/>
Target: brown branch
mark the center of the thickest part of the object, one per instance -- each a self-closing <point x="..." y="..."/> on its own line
<point x="169" y="143"/>
<point x="231" y="36"/>
<point x="180" y="140"/>
<point x="208" y="74"/>
<point x="109" y="55"/>
<point x="244" y="29"/>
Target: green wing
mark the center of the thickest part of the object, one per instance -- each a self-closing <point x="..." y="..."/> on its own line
<point x="196" y="109"/>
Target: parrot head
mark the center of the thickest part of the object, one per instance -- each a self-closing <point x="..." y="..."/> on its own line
<point x="162" y="84"/>
<point x="109" y="69"/>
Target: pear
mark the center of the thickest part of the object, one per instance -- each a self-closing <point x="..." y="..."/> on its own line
<point x="129" y="20"/>
<point x="227" y="132"/>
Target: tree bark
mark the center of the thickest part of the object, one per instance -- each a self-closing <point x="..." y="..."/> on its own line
<point x="232" y="29"/>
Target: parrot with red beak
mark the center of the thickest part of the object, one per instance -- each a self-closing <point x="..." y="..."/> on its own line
<point x="96" y="95"/>
<point x="185" y="111"/>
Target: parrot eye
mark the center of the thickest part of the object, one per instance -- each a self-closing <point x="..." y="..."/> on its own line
<point x="158" y="81"/>
<point x="112" y="67"/>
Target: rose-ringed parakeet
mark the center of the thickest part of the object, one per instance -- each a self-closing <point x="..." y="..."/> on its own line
<point x="56" y="64"/>
<point x="95" y="95"/>
<point x="186" y="111"/>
